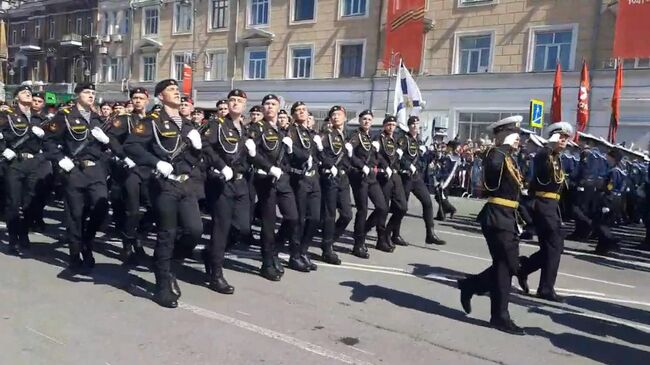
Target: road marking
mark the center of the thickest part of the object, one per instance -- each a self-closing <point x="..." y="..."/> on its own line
<point x="45" y="336"/>
<point x="303" y="345"/>
<point x="362" y="351"/>
<point x="243" y="313"/>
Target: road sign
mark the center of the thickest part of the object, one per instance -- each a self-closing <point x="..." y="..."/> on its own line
<point x="536" y="113"/>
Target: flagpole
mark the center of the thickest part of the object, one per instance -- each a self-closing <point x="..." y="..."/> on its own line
<point x="390" y="71"/>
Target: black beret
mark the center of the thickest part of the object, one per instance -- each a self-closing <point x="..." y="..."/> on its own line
<point x="366" y="112"/>
<point x="334" y="109"/>
<point x="615" y="154"/>
<point x="270" y="97"/>
<point x="282" y="111"/>
<point x="162" y="85"/>
<point x="224" y="101"/>
<point x="156" y="107"/>
<point x="21" y="88"/>
<point x="39" y="94"/>
<point x="106" y="103"/>
<point x="197" y="111"/>
<point x="186" y="99"/>
<point x="237" y="92"/>
<point x="413" y="119"/>
<point x="390" y="119"/>
<point x="296" y="105"/>
<point x="118" y="103"/>
<point x="256" y="108"/>
<point x="138" y="90"/>
<point x="84" y="86"/>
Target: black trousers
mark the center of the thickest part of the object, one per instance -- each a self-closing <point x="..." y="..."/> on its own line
<point x="583" y="208"/>
<point x="415" y="185"/>
<point x="230" y="203"/>
<point x="362" y="189"/>
<point x="308" y="200"/>
<point x="394" y="195"/>
<point x="20" y="189"/>
<point x="496" y="279"/>
<point x="603" y="222"/>
<point x="135" y="193"/>
<point x="335" y="195"/>
<point x="551" y="244"/>
<point x="86" y="205"/>
<point x="270" y="196"/>
<point x="179" y="223"/>
<point x="116" y="194"/>
<point x="44" y="189"/>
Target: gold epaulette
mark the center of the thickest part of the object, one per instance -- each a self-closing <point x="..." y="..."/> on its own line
<point x="154" y="115"/>
<point x="66" y="110"/>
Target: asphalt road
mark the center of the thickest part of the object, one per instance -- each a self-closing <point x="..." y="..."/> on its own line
<point x="399" y="308"/>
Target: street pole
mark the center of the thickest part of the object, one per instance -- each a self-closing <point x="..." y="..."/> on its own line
<point x="390" y="71"/>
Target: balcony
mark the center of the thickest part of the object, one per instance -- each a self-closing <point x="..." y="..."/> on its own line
<point x="71" y="40"/>
<point x="31" y="44"/>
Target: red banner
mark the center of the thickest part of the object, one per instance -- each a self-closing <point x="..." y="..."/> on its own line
<point x="404" y="33"/>
<point x="583" y="100"/>
<point x="616" y="103"/>
<point x="556" y="100"/>
<point x="187" y="80"/>
<point x="632" y="37"/>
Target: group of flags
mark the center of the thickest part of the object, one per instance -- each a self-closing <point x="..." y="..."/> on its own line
<point x="582" y="117"/>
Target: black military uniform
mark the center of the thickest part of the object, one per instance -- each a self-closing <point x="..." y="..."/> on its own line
<point x="80" y="156"/>
<point x="499" y="223"/>
<point x="388" y="161"/>
<point x="226" y="157"/>
<point x="412" y="172"/>
<point x="21" y="145"/>
<point x="273" y="191"/>
<point x="335" y="188"/>
<point x="363" y="179"/>
<point x="546" y="186"/>
<point x="163" y="142"/>
<point x="45" y="177"/>
<point x="610" y="204"/>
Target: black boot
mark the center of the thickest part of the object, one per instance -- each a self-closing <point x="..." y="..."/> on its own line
<point x="88" y="259"/>
<point x="383" y="243"/>
<point x="551" y="296"/>
<point x="521" y="277"/>
<point x="140" y="254"/>
<point x="207" y="263"/>
<point x="268" y="270"/>
<point x="465" y="296"/>
<point x="329" y="256"/>
<point x="165" y="295"/>
<point x="219" y="284"/>
<point x="361" y="251"/>
<point x="75" y="264"/>
<point x="507" y="326"/>
<point x="128" y="255"/>
<point x="15" y="248"/>
<point x="432" y="238"/>
<point x="297" y="263"/>
<point x="277" y="264"/>
<point x="399" y="241"/>
<point x="310" y="264"/>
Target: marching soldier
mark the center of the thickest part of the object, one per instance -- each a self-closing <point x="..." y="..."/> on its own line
<point x="273" y="187"/>
<point x="255" y="114"/>
<point x="132" y="181"/>
<point x="105" y="110"/>
<point x="227" y="149"/>
<point x="546" y="186"/>
<point x="585" y="195"/>
<point x="44" y="182"/>
<point x="21" y="145"/>
<point x="306" y="187"/>
<point x="222" y="108"/>
<point x="411" y="171"/>
<point x="187" y="107"/>
<point x="335" y="186"/>
<point x="363" y="179"/>
<point x="79" y="133"/>
<point x="611" y="204"/>
<point x="168" y="143"/>
<point x="499" y="222"/>
<point x="449" y="165"/>
<point x="388" y="161"/>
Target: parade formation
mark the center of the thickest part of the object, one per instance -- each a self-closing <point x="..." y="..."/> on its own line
<point x="159" y="168"/>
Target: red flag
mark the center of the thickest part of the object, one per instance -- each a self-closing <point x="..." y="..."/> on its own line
<point x="187" y="79"/>
<point x="556" y="102"/>
<point x="616" y="101"/>
<point x="583" y="100"/>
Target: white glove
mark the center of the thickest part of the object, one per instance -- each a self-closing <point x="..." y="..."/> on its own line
<point x="38" y="131"/>
<point x="349" y="148"/>
<point x="289" y="143"/>
<point x="310" y="163"/>
<point x="250" y="146"/>
<point x="413" y="169"/>
<point x="399" y="152"/>
<point x="66" y="164"/>
<point x="275" y="171"/>
<point x="366" y="170"/>
<point x="165" y="168"/>
<point x="195" y="139"/>
<point x="129" y="162"/>
<point x="1" y="137"/>
<point x="605" y="210"/>
<point x="319" y="142"/>
<point x="389" y="172"/>
<point x="227" y="173"/>
<point x="511" y="139"/>
<point x="524" y="192"/>
<point x="99" y="135"/>
<point x="9" y="154"/>
<point x="334" y="171"/>
<point x="376" y="145"/>
<point x="423" y="149"/>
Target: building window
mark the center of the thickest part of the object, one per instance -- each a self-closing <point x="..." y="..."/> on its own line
<point x="79" y="28"/>
<point x="301" y="62"/>
<point x="182" y="18"/>
<point x="22" y="34"/>
<point x="14" y="37"/>
<point x="258" y="12"/>
<point x="304" y="10"/>
<point x="476" y="2"/>
<point x="219" y="14"/>
<point x="255" y="63"/>
<point x="215" y="65"/>
<point x="552" y="47"/>
<point x="110" y="18"/>
<point x="632" y="63"/>
<point x="91" y="26"/>
<point x="51" y="29"/>
<point x="351" y="60"/>
<point x="37" y="29"/>
<point x="112" y="69"/>
<point x="126" y="28"/>
<point x="148" y="68"/>
<point x="474" y="54"/>
<point x="151" y="21"/>
<point x="354" y="7"/>
<point x="68" y="28"/>
<point x="180" y="59"/>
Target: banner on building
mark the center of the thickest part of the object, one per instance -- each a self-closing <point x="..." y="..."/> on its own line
<point x="632" y="36"/>
<point x="404" y="32"/>
<point x="187" y="80"/>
